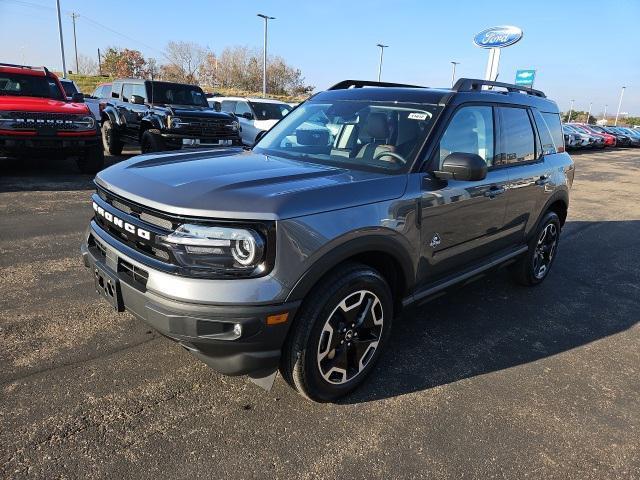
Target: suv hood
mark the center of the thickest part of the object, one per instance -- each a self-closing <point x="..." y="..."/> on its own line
<point x="187" y="111"/>
<point x="37" y="104"/>
<point x="233" y="184"/>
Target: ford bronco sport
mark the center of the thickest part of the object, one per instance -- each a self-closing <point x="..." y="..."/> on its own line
<point x="366" y="198"/>
<point x="163" y="116"/>
<point x="36" y="118"/>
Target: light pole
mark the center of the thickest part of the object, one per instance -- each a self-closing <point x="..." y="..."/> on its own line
<point x="615" y="124"/>
<point x="453" y="72"/>
<point x="382" y="47"/>
<point x="264" y="56"/>
<point x="604" y="117"/>
<point x="74" y="15"/>
<point x="570" y="111"/>
<point x="64" y="64"/>
<point x="589" y="113"/>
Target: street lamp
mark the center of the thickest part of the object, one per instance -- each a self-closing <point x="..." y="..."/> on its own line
<point x="382" y="47"/>
<point x="64" y="63"/>
<point x="604" y="117"/>
<point x="570" y="111"/>
<point x="264" y="56"/>
<point x="615" y="124"/>
<point x="453" y="73"/>
<point x="589" y="113"/>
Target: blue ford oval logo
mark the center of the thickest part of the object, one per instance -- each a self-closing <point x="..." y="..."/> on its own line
<point x="498" y="37"/>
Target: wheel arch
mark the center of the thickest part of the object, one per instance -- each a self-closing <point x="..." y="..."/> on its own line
<point x="109" y="113"/>
<point x="559" y="204"/>
<point x="383" y="253"/>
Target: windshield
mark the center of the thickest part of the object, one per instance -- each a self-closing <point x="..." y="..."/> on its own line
<point x="19" y="85"/>
<point x="269" y="111"/>
<point x="69" y="88"/>
<point x="365" y="134"/>
<point x="178" y="94"/>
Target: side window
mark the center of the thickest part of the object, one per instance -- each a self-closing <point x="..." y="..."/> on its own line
<point x="228" y="106"/>
<point x="140" y="90"/>
<point x="555" y="128"/>
<point x="115" y="90"/>
<point x="127" y="90"/>
<point x="548" y="145"/>
<point x="470" y="131"/>
<point x="517" y="143"/>
<point x="242" y="107"/>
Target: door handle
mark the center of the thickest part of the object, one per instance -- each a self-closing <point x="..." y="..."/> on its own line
<point x="494" y="192"/>
<point x="543" y="180"/>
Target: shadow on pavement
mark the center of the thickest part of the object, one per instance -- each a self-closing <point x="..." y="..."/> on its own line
<point x="493" y="324"/>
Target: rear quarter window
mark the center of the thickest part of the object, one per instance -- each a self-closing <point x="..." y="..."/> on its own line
<point x="555" y="128"/>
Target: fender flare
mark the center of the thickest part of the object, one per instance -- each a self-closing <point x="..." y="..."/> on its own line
<point x="112" y="115"/>
<point x="337" y="254"/>
<point x="560" y="195"/>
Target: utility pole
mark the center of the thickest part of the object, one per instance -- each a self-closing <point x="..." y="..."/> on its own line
<point x="382" y="47"/>
<point x="74" y="15"/>
<point x="589" y="113"/>
<point x="615" y="124"/>
<point x="64" y="63"/>
<point x="453" y="73"/>
<point x="264" y="56"/>
<point x="570" y="111"/>
<point x="99" y="63"/>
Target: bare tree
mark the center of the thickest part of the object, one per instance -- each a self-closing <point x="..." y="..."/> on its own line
<point x="87" y="65"/>
<point x="185" y="60"/>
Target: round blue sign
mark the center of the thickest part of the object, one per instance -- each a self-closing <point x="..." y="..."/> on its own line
<point x="498" y="37"/>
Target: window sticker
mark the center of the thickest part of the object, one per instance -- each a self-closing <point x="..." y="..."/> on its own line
<point x="417" y="116"/>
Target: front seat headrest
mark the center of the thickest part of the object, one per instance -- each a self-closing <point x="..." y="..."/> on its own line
<point x="377" y="125"/>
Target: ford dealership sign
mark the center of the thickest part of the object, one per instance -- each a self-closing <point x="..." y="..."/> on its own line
<point x="498" y="37"/>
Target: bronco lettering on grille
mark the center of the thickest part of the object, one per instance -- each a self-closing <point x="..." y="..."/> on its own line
<point x="118" y="222"/>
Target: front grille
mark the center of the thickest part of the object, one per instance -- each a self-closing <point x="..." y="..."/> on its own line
<point x="43" y="120"/>
<point x="135" y="274"/>
<point x="207" y="128"/>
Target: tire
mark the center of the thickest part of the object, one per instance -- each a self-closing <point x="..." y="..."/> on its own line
<point x="92" y="161"/>
<point x="313" y="353"/>
<point x="152" y="141"/>
<point x="110" y="141"/>
<point x="534" y="266"/>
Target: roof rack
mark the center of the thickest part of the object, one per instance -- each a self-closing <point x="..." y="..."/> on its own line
<point x="343" y="85"/>
<point x="13" y="65"/>
<point x="474" y="84"/>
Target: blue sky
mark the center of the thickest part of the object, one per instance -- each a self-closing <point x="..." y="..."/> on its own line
<point x="584" y="50"/>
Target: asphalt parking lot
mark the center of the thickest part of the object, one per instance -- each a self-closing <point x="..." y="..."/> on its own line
<point x="492" y="381"/>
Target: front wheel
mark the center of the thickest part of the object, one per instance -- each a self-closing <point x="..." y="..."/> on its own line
<point x="110" y="141"/>
<point x="152" y="141"/>
<point x="533" y="267"/>
<point x="339" y="334"/>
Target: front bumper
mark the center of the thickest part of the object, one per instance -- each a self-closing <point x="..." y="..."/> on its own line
<point x="60" y="145"/>
<point x="206" y="330"/>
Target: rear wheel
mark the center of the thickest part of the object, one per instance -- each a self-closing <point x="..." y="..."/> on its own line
<point x="92" y="161"/>
<point x="533" y="267"/>
<point x="110" y="141"/>
<point x="152" y="141"/>
<point x="338" y="334"/>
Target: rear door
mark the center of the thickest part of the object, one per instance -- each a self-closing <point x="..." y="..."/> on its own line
<point x="522" y="152"/>
<point x="462" y="221"/>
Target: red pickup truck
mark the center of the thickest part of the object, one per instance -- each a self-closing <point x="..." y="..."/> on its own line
<point x="36" y="119"/>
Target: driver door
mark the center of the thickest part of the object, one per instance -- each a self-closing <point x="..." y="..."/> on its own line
<point x="249" y="130"/>
<point x="462" y="221"/>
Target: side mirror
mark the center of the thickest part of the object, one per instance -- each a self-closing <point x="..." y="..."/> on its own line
<point x="136" y="99"/>
<point x="247" y="115"/>
<point x="468" y="167"/>
<point x="77" y="97"/>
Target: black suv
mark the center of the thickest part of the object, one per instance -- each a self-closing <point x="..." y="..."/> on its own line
<point x="299" y="254"/>
<point x="163" y="116"/>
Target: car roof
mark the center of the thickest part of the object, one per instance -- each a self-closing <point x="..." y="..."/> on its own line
<point x="247" y="99"/>
<point x="25" y="70"/>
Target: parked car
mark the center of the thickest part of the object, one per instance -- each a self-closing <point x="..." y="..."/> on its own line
<point x="633" y="133"/>
<point x="300" y="256"/>
<point x="256" y="115"/>
<point x="622" y="140"/>
<point x="583" y="140"/>
<point x="633" y="140"/>
<point x="596" y="140"/>
<point x="70" y="88"/>
<point x="609" y="140"/>
<point x="97" y="100"/>
<point x="37" y="119"/>
<point x="162" y="116"/>
<point x="571" y="140"/>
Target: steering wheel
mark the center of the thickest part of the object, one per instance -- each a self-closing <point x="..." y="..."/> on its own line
<point x="387" y="153"/>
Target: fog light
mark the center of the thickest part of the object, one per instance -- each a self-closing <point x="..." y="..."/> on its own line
<point x="237" y="329"/>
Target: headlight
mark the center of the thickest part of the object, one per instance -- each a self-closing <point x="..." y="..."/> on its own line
<point x="217" y="248"/>
<point x="175" y="122"/>
<point x="84" y="123"/>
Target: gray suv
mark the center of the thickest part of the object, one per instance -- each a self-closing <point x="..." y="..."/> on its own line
<point x="296" y="256"/>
